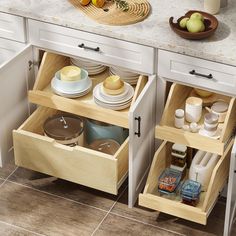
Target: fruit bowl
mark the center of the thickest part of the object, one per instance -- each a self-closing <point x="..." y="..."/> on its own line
<point x="210" y="22"/>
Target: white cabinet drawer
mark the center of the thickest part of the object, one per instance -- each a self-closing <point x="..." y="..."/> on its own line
<point x="78" y="164"/>
<point x="99" y="48"/>
<point x="12" y="27"/>
<point x="178" y="68"/>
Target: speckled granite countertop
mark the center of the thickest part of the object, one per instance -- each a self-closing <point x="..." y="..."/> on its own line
<point x="154" y="31"/>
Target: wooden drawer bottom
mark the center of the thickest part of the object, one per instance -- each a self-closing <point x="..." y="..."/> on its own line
<point x="78" y="164"/>
<point x="152" y="199"/>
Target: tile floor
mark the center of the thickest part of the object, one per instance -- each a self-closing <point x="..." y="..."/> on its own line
<point x="35" y="204"/>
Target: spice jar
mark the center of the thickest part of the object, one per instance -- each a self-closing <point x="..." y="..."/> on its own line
<point x="179" y="118"/>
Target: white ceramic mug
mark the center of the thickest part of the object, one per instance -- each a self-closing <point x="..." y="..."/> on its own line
<point x="193" y="109"/>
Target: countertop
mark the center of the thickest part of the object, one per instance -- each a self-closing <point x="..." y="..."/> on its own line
<point x="154" y="31"/>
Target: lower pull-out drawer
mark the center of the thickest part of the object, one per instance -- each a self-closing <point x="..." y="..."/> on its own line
<point x="78" y="164"/>
<point x="152" y="199"/>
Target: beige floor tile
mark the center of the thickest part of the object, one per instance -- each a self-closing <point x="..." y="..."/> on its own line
<point x="7" y="230"/>
<point x="115" y="225"/>
<point x="46" y="214"/>
<point x="170" y="222"/>
<point x="65" y="189"/>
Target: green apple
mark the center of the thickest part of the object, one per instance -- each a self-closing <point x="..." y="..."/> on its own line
<point x="194" y="26"/>
<point x="197" y="16"/>
<point x="183" y="22"/>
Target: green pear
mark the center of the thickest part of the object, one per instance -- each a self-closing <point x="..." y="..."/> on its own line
<point x="194" y="26"/>
<point x="183" y="22"/>
<point x="197" y="16"/>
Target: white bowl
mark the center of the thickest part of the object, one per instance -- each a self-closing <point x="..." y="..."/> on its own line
<point x="78" y="85"/>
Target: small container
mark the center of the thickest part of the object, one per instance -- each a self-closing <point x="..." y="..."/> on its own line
<point x="179" y="155"/>
<point x="190" y="192"/>
<point x="169" y="180"/>
<point x="179" y="118"/>
<point x="65" y="129"/>
<point x="212" y="6"/>
<point x="210" y="123"/>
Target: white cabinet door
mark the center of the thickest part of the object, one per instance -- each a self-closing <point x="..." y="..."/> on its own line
<point x="231" y="195"/>
<point x="142" y="139"/>
<point x="15" y="76"/>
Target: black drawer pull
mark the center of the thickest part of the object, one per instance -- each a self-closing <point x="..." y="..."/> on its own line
<point x="139" y="126"/>
<point x="97" y="49"/>
<point x="193" y="72"/>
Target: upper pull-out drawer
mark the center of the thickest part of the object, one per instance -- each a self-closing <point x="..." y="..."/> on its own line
<point x="12" y="27"/>
<point x="92" y="46"/>
<point x="197" y="72"/>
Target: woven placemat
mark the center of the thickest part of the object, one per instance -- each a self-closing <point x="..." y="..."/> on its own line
<point x="111" y="15"/>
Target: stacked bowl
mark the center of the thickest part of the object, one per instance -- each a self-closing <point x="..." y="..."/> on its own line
<point x="71" y="82"/>
<point x="93" y="68"/>
<point x="127" y="76"/>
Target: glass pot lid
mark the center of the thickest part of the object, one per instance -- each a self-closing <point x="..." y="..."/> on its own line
<point x="63" y="127"/>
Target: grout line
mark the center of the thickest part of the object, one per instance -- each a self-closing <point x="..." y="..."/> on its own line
<point x="23" y="229"/>
<point x="8" y="177"/>
<point x="109" y="210"/>
<point x="54" y="195"/>
<point x="145" y="223"/>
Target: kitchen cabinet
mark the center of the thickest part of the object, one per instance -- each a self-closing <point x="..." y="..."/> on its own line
<point x="231" y="195"/>
<point x="15" y="78"/>
<point x="79" y="164"/>
<point x="175" y="68"/>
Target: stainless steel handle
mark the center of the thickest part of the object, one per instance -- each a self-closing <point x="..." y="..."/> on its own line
<point x="97" y="49"/>
<point x="139" y="126"/>
<point x="193" y="72"/>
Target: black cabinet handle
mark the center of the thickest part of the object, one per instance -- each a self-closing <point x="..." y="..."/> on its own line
<point x="139" y="126"/>
<point x="193" y="72"/>
<point x="97" y="49"/>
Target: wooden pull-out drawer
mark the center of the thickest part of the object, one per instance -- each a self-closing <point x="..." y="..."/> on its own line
<point x="94" y="47"/>
<point x="12" y="27"/>
<point x="176" y="100"/>
<point x="197" y="72"/>
<point x="78" y="164"/>
<point x="152" y="199"/>
<point x="43" y="95"/>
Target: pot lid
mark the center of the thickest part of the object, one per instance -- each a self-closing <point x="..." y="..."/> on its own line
<point x="108" y="146"/>
<point x="220" y="107"/>
<point x="63" y="127"/>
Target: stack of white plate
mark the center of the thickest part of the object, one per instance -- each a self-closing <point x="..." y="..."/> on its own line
<point x="114" y="102"/>
<point x="125" y="75"/>
<point x="93" y="68"/>
<point x="71" y="89"/>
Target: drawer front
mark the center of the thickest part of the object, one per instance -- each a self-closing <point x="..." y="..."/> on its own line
<point x="12" y="27"/>
<point x="196" y="72"/>
<point x="99" y="48"/>
<point x="77" y="164"/>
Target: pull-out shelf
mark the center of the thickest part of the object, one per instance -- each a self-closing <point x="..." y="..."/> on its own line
<point x="151" y="198"/>
<point x="43" y="95"/>
<point x="78" y="164"/>
<point x="167" y="131"/>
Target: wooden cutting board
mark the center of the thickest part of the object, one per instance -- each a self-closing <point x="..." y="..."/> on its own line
<point x="111" y="15"/>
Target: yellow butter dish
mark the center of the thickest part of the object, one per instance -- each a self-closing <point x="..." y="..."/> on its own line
<point x="113" y="85"/>
<point x="70" y="73"/>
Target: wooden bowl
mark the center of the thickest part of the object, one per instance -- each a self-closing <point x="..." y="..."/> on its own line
<point x="210" y="22"/>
